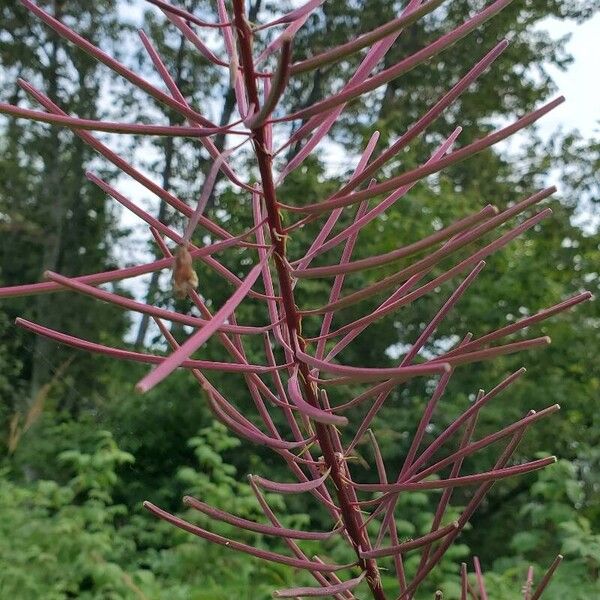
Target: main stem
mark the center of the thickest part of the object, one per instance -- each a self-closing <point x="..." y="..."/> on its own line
<point x="350" y="513"/>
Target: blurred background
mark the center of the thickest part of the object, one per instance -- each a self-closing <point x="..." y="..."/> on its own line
<point x="80" y="451"/>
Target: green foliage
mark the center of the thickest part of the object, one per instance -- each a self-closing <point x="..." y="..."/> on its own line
<point x="415" y="518"/>
<point x="60" y="541"/>
<point x="555" y="517"/>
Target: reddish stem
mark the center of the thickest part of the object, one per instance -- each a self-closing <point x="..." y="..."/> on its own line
<point x="351" y="517"/>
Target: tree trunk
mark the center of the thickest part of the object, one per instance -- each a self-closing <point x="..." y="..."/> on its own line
<point x="52" y="202"/>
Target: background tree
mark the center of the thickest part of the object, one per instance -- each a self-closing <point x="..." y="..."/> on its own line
<point x="52" y="218"/>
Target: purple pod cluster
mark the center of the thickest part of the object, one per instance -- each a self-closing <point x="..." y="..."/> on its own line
<point x="313" y="444"/>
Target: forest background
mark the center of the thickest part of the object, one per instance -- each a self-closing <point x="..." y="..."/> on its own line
<point x="80" y="451"/>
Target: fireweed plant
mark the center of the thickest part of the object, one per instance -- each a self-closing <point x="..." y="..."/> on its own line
<point x="297" y="372"/>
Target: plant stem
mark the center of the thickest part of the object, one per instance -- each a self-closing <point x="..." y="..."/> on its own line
<point x="350" y="514"/>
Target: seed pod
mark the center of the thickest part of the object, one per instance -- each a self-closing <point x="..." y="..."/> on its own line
<point x="184" y="276"/>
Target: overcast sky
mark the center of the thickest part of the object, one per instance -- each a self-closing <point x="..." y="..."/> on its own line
<point x="580" y="83"/>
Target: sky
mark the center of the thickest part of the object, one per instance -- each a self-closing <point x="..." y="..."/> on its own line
<point x="580" y="83"/>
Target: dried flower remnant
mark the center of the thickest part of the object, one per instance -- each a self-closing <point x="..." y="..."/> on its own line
<point x="311" y="435"/>
<point x="185" y="278"/>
